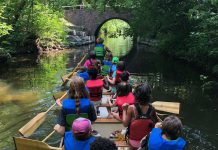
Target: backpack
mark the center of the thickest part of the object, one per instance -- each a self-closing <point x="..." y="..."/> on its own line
<point x="141" y="125"/>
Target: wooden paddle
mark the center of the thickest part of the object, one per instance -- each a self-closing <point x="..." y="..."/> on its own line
<point x="29" y="128"/>
<point x="71" y="74"/>
<point x="171" y="107"/>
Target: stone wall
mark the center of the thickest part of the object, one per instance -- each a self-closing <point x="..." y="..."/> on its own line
<point x="92" y="20"/>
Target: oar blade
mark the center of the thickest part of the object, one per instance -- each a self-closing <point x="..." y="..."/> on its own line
<point x="171" y="107"/>
<point x="29" y="128"/>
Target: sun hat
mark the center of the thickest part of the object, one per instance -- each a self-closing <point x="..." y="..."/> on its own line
<point x="81" y="125"/>
<point x="115" y="60"/>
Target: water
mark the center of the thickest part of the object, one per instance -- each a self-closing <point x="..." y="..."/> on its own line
<point x="171" y="81"/>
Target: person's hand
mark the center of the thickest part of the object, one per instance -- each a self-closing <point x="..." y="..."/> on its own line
<point x="158" y="125"/>
<point x="125" y="106"/>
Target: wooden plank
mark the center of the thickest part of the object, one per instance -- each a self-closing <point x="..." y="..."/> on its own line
<point x="107" y="120"/>
<point x="121" y="144"/>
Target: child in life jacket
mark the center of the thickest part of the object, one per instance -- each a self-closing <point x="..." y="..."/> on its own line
<point x="165" y="136"/>
<point x="124" y="95"/>
<point x="90" y="60"/>
<point x="116" y="75"/>
<point x="83" y="73"/>
<point x="125" y="78"/>
<point x="115" y="60"/>
<point x="107" y="64"/>
<point x="77" y="103"/>
<point x="95" y="86"/>
<point x="141" y="117"/>
<point x="100" y="49"/>
<point x="80" y="137"/>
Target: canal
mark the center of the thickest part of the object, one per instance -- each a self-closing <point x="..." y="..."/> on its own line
<point x="171" y="80"/>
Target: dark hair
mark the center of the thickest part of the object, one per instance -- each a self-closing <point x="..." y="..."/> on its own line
<point x="92" y="55"/>
<point x="82" y="69"/>
<point x="123" y="89"/>
<point x="121" y="65"/>
<point x="124" y="76"/>
<point x="172" y="127"/>
<point x="99" y="40"/>
<point x="93" y="72"/>
<point x="103" y="144"/>
<point x="108" y="56"/>
<point x="142" y="93"/>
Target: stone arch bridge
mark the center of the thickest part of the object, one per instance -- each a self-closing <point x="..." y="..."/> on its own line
<point x="92" y="20"/>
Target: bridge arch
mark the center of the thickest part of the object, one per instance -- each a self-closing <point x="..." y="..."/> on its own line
<point x="92" y="20"/>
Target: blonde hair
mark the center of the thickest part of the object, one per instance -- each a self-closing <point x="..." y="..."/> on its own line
<point x="77" y="90"/>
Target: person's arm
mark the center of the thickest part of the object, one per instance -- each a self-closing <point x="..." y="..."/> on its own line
<point x="91" y="113"/>
<point x="127" y="114"/>
<point x="111" y="81"/>
<point x="60" y="126"/>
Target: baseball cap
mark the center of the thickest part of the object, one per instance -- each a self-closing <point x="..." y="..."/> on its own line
<point x="115" y="60"/>
<point x="81" y="125"/>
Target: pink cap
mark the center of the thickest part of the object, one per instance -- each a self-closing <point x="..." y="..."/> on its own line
<point x="81" y="125"/>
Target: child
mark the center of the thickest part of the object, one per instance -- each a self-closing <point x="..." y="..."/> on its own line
<point x="115" y="60"/>
<point x="95" y="87"/>
<point x="103" y="144"/>
<point x="80" y="137"/>
<point x="141" y="117"/>
<point x="124" y="95"/>
<point x="165" y="136"/>
<point x="90" y="60"/>
<point x="83" y="73"/>
<point x="116" y="75"/>
<point x="78" y="102"/>
<point x="107" y="64"/>
<point x="100" y="49"/>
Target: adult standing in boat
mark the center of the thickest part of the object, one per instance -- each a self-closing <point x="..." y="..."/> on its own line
<point x="78" y="103"/>
<point x="141" y="117"/>
<point x="79" y="138"/>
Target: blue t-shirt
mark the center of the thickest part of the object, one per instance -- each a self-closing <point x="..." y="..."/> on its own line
<point x="71" y="143"/>
<point x="156" y="142"/>
<point x="83" y="75"/>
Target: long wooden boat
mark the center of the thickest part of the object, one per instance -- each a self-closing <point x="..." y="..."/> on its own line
<point x="103" y="125"/>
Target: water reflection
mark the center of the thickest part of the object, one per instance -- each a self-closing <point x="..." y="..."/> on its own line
<point x="170" y="81"/>
<point x="114" y="34"/>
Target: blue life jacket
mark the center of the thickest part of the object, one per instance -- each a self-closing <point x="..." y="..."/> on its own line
<point x="106" y="68"/>
<point x="113" y="68"/>
<point x="69" y="105"/>
<point x="99" y="50"/>
<point x="156" y="142"/>
<point x="70" y="143"/>
<point x="83" y="75"/>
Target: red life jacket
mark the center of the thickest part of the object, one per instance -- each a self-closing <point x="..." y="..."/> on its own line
<point x="142" y="125"/>
<point x="95" y="89"/>
<point x="117" y="78"/>
<point x="120" y="100"/>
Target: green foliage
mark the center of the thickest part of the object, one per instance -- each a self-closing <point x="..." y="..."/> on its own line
<point x="32" y="20"/>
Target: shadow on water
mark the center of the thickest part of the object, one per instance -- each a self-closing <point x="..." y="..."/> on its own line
<point x="170" y="81"/>
<point x="175" y="81"/>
